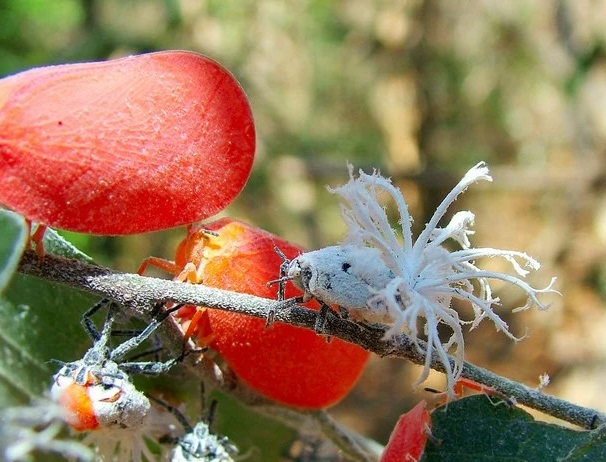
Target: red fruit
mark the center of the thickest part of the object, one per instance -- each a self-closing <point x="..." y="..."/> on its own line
<point x="408" y="439"/>
<point x="288" y="364"/>
<point x="126" y="146"/>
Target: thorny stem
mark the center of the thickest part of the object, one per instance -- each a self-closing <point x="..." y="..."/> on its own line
<point x="139" y="294"/>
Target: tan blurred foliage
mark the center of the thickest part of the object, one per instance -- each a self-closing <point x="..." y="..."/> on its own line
<point x="422" y="90"/>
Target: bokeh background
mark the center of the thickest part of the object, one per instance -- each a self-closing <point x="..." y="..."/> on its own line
<point x="421" y="90"/>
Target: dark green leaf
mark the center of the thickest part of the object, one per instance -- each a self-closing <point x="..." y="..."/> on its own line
<point x="476" y="429"/>
<point x="12" y="242"/>
<point x="39" y="321"/>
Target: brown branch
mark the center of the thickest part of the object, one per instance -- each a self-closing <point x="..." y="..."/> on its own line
<point x="141" y="293"/>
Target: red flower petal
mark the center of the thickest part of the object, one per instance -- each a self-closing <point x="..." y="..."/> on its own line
<point x="407" y="441"/>
<point x="125" y="146"/>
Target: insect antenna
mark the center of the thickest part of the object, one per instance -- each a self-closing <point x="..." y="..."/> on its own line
<point x="281" y="281"/>
<point x="284" y="278"/>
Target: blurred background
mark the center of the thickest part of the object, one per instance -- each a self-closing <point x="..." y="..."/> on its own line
<point x="421" y="90"/>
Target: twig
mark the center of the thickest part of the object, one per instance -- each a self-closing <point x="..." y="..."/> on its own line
<point x="354" y="446"/>
<point x="342" y="438"/>
<point x="140" y="293"/>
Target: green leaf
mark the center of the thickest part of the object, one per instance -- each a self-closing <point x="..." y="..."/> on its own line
<point x="12" y="243"/>
<point x="477" y="429"/>
<point x="39" y="322"/>
<point x="57" y="245"/>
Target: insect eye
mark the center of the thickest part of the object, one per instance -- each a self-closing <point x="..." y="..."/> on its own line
<point x="294" y="269"/>
<point x="305" y="274"/>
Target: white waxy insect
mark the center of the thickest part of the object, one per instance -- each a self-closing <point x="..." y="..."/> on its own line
<point x="380" y="275"/>
<point x="28" y="432"/>
<point x="96" y="391"/>
<point x="106" y="399"/>
<point x="97" y="395"/>
<point x="343" y="275"/>
<point x="200" y="444"/>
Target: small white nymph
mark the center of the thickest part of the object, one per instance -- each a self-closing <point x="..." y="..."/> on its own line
<point x="200" y="444"/>
<point x="343" y="275"/>
<point x="379" y="277"/>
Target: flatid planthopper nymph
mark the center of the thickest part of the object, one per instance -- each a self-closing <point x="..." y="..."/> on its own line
<point x="343" y="275"/>
<point x="381" y="275"/>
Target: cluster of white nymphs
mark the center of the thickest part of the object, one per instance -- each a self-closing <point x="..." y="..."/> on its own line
<point x="426" y="276"/>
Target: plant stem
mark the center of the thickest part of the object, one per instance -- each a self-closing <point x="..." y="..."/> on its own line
<point x="140" y="293"/>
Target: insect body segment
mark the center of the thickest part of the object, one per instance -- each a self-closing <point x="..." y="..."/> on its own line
<point x="105" y="401"/>
<point x="343" y="275"/>
<point x="200" y="445"/>
<point x="188" y="258"/>
<point x="105" y="148"/>
<point x="287" y="364"/>
<point x="188" y="267"/>
<point x="96" y="391"/>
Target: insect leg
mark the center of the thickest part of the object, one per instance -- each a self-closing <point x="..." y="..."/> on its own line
<point x="150" y="367"/>
<point x="321" y="318"/>
<point x="178" y="415"/>
<point x="87" y="322"/>
<point x="284" y="304"/>
<point x="37" y="237"/>
<point x="134" y="342"/>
